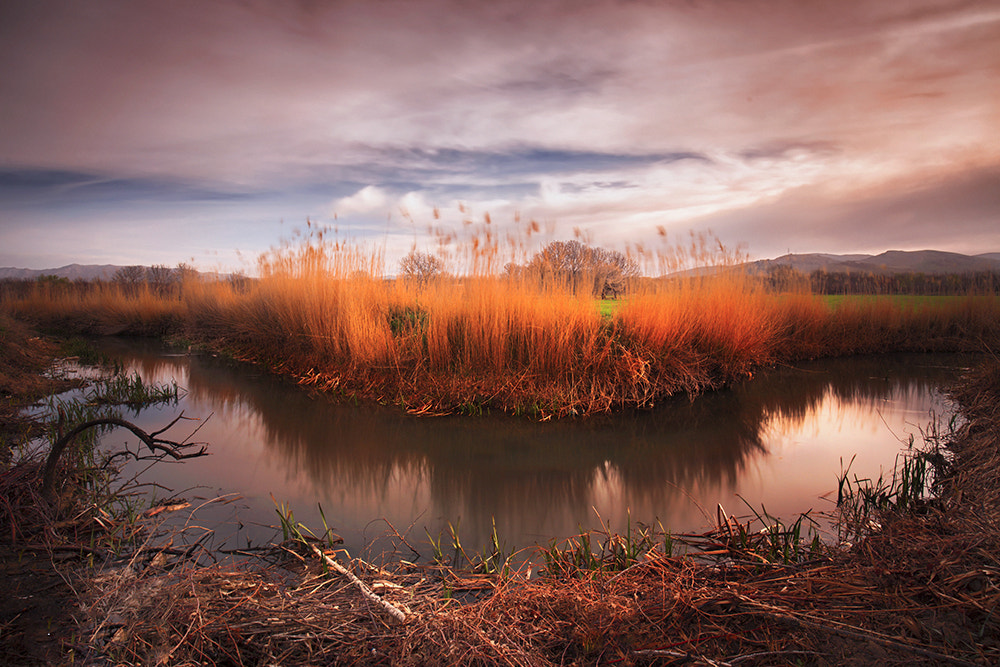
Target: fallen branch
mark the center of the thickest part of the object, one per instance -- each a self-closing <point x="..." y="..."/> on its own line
<point x="388" y="607"/>
<point x="152" y="440"/>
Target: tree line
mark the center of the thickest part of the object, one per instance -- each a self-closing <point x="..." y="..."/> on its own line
<point x="158" y="277"/>
<point x="572" y="265"/>
<point x="785" y="278"/>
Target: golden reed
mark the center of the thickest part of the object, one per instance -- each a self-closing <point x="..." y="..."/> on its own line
<point x="488" y="337"/>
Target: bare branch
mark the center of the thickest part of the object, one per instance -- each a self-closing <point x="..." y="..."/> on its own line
<point x="421" y="267"/>
<point x="156" y="444"/>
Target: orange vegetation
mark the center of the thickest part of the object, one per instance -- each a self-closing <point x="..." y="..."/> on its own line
<point x="322" y="312"/>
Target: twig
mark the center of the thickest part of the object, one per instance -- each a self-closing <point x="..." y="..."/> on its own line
<point x="402" y="538"/>
<point x="765" y="654"/>
<point x="389" y="608"/>
<point x="679" y="655"/>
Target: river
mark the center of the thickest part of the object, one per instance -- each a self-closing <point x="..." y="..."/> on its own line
<point x="775" y="442"/>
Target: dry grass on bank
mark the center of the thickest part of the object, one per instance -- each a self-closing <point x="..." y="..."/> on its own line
<point x="98" y="309"/>
<point x="23" y="359"/>
<point x="511" y="342"/>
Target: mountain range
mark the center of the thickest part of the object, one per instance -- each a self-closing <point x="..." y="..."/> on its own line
<point x="892" y="261"/>
<point x="70" y="272"/>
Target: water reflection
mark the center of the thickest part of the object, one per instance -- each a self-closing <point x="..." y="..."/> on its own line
<point x="776" y="440"/>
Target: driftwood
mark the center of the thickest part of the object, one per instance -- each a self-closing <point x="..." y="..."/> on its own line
<point x="156" y="445"/>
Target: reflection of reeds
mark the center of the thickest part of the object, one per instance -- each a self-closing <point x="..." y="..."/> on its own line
<point x="513" y="340"/>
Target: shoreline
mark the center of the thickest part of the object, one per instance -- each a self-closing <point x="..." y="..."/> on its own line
<point x="918" y="590"/>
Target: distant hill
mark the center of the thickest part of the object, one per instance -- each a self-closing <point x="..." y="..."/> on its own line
<point x="889" y="262"/>
<point x="70" y="272"/>
<point x="892" y="261"/>
<point x="78" y="272"/>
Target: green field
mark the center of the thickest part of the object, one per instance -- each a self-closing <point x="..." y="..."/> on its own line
<point x="608" y="307"/>
<point x="898" y="300"/>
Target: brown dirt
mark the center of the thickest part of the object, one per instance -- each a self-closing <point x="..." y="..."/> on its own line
<point x="23" y="358"/>
<point x="35" y="599"/>
<point x="36" y="606"/>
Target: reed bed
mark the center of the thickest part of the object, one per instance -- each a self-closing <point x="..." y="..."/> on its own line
<point x="96" y="308"/>
<point x="492" y="338"/>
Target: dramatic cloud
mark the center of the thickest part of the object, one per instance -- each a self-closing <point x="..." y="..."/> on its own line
<point x="819" y="126"/>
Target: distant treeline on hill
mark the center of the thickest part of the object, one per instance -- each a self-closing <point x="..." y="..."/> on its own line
<point x="158" y="279"/>
<point x="603" y="274"/>
<point x="784" y="278"/>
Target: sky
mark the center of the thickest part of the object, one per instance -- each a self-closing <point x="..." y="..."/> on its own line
<point x="208" y="131"/>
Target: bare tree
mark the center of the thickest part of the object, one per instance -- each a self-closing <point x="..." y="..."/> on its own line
<point x="185" y="273"/>
<point x="160" y="277"/>
<point x="421" y="267"/>
<point x="578" y="266"/>
<point x="130" y="277"/>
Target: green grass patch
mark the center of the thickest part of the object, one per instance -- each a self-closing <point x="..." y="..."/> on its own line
<point x="907" y="301"/>
<point x="608" y="307"/>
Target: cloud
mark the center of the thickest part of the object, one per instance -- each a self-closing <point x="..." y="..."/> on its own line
<point x="956" y="212"/>
<point x="253" y="92"/>
<point x="369" y="199"/>
<point x="429" y="167"/>
<point x="55" y="187"/>
<point x="615" y="115"/>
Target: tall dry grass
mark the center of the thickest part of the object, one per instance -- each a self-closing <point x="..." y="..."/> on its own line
<point x="96" y="308"/>
<point x="322" y="311"/>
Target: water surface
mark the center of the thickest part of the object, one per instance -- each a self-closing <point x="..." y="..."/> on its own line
<point x="777" y="441"/>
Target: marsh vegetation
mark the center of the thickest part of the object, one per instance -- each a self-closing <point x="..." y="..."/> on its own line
<point x="488" y="325"/>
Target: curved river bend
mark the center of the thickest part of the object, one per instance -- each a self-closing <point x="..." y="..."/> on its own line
<point x="777" y="441"/>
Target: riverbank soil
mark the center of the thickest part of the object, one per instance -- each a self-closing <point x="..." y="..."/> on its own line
<point x="35" y="600"/>
<point x="24" y="357"/>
